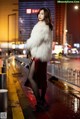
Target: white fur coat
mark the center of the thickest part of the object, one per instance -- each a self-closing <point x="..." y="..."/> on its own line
<point x="40" y="42"/>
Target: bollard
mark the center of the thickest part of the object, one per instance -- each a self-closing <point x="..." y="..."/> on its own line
<point x="3" y="81"/>
<point x="4" y="63"/>
<point x="3" y="103"/>
<point x="3" y="70"/>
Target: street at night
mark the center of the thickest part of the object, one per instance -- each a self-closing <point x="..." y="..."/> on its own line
<point x="40" y="43"/>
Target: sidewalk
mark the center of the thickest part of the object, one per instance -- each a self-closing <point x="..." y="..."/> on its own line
<point x="18" y="104"/>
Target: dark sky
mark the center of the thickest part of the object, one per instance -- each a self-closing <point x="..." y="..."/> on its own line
<point x="73" y="22"/>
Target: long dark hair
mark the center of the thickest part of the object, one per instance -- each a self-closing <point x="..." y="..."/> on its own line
<point x="47" y="17"/>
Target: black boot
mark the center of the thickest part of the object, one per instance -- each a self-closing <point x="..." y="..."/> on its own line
<point x="44" y="104"/>
<point x="39" y="107"/>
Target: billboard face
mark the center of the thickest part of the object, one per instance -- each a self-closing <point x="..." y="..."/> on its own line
<point x="28" y="15"/>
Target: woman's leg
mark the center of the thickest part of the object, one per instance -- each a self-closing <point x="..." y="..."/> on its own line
<point x="43" y="92"/>
<point x="33" y="83"/>
<point x="44" y="82"/>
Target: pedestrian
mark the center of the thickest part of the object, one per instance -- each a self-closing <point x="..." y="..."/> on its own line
<point x="40" y="46"/>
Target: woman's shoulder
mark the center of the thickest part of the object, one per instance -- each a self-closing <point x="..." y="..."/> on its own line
<point x="41" y="27"/>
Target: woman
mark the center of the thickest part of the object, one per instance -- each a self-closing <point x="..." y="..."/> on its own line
<point x="40" y="46"/>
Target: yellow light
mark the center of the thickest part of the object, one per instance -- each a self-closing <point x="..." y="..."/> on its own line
<point x="66" y="30"/>
<point x="13" y="61"/>
<point x="13" y="46"/>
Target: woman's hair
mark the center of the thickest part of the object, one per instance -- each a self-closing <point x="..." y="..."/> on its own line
<point x="47" y="17"/>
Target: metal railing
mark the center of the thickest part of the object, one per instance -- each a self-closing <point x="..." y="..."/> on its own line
<point x="69" y="75"/>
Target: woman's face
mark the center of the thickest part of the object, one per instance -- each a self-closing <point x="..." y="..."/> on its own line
<point x="41" y="15"/>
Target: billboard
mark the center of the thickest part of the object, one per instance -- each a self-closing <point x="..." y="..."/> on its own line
<point x="28" y="15"/>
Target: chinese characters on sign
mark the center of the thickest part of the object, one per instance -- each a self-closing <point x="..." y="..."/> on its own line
<point x="32" y="11"/>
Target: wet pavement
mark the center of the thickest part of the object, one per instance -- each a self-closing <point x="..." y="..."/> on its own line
<point x="63" y="101"/>
<point x="73" y="63"/>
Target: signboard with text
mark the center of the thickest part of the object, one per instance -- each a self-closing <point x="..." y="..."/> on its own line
<point x="68" y="1"/>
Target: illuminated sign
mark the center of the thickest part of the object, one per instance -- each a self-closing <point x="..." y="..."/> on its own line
<point x="31" y="11"/>
<point x="28" y="11"/>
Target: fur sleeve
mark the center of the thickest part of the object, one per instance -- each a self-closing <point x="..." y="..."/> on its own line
<point x="36" y="39"/>
<point x="38" y="35"/>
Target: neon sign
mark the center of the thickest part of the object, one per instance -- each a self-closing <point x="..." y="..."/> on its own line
<point x="31" y="11"/>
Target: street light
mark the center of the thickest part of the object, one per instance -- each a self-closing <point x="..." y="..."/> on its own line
<point x="66" y="35"/>
<point x="76" y="7"/>
<point x="65" y="26"/>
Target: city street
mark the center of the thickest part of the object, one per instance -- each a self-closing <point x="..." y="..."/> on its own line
<point x="66" y="61"/>
<point x="39" y="29"/>
<point x="73" y="63"/>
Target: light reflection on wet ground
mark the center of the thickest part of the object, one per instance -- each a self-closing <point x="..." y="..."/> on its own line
<point x="63" y="104"/>
<point x="71" y="63"/>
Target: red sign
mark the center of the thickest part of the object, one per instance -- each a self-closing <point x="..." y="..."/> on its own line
<point x="32" y="11"/>
<point x="28" y="11"/>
